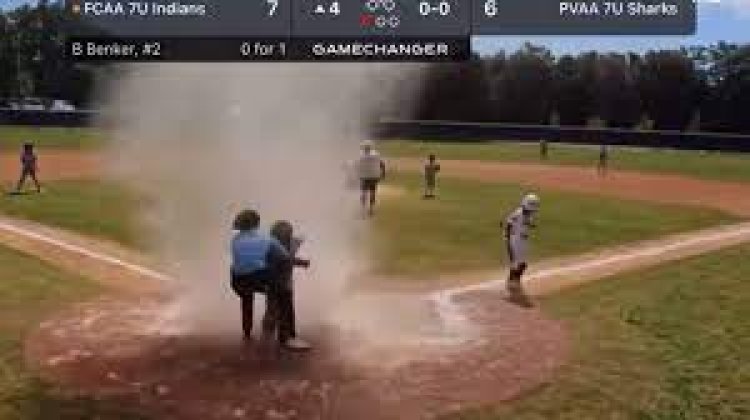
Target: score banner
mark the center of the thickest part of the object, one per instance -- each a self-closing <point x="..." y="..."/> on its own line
<point x="225" y="28"/>
<point x="268" y="49"/>
<point x="611" y="17"/>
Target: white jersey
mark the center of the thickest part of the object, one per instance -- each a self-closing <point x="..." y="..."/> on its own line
<point x="368" y="165"/>
<point x="519" y="225"/>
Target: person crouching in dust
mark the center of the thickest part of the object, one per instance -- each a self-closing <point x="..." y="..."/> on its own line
<point x="259" y="262"/>
<point x="517" y="236"/>
<point x="28" y="168"/>
<point x="370" y="170"/>
<point x="282" y="317"/>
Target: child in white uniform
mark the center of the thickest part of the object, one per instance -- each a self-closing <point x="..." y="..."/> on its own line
<point x="370" y="169"/>
<point x="517" y="227"/>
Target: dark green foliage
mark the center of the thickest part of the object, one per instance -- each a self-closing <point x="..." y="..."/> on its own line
<point x="674" y="90"/>
<point x="32" y="61"/>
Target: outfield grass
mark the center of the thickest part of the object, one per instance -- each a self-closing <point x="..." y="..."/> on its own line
<point x="91" y="207"/>
<point x="461" y="230"/>
<point x="664" y="343"/>
<point x="412" y="237"/>
<point x="715" y="166"/>
<point x="31" y="291"/>
<point x="12" y="137"/>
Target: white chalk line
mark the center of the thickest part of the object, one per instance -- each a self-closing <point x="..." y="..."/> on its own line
<point x="67" y="246"/>
<point x="454" y="319"/>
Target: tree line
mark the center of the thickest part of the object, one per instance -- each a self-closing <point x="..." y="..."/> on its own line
<point x="32" y="62"/>
<point x="698" y="88"/>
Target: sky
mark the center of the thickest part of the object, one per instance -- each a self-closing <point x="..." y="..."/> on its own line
<point x="10" y="4"/>
<point x="718" y="20"/>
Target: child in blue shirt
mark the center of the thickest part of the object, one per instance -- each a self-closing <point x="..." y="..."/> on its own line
<point x="261" y="263"/>
<point x="257" y="260"/>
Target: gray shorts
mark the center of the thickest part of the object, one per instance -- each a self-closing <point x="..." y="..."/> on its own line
<point x="517" y="253"/>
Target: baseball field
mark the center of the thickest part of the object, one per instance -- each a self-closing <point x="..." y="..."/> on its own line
<point x="642" y="308"/>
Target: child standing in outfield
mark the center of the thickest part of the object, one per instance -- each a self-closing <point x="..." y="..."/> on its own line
<point x="430" y="176"/>
<point x="543" y="149"/>
<point x="517" y="227"/>
<point x="601" y="167"/>
<point x="283" y="315"/>
<point x="28" y="167"/>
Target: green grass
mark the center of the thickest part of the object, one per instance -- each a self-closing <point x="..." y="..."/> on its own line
<point x="412" y="237"/>
<point x="461" y="230"/>
<point x="714" y="166"/>
<point x="12" y="137"/>
<point x="664" y="343"/>
<point x="31" y="291"/>
<point x="91" y="207"/>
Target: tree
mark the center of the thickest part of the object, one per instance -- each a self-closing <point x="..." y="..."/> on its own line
<point x="44" y="72"/>
<point x="617" y="99"/>
<point x="523" y="90"/>
<point x="454" y="92"/>
<point x="7" y="63"/>
<point x="723" y="72"/>
<point x="573" y="100"/>
<point x="670" y="89"/>
<point x="733" y="91"/>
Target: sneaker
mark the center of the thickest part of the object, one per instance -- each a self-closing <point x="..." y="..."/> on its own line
<point x="268" y="334"/>
<point x="297" y="344"/>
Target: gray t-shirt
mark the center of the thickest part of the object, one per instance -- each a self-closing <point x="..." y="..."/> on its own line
<point x="369" y="165"/>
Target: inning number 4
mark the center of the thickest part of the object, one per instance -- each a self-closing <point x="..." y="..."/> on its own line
<point x="273" y="5"/>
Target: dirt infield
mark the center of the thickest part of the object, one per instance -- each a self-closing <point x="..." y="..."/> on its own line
<point x="55" y="165"/>
<point x="116" y="267"/>
<point x="108" y="348"/>
<point x="733" y="198"/>
<point x="118" y="346"/>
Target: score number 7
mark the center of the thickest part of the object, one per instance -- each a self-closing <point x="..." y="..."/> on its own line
<point x="490" y="8"/>
<point x="273" y="5"/>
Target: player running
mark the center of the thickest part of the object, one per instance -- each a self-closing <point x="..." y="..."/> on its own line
<point x="370" y="170"/>
<point x="517" y="227"/>
<point x="431" y="169"/>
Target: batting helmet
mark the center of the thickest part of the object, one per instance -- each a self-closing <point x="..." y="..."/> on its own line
<point x="246" y="220"/>
<point x="530" y="202"/>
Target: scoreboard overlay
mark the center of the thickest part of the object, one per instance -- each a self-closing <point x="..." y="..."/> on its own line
<point x="345" y="30"/>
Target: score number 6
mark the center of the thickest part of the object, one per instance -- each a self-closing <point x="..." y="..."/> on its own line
<point x="490" y="8"/>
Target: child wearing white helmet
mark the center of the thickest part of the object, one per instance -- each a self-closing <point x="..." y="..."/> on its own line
<point x="370" y="169"/>
<point x="517" y="227"/>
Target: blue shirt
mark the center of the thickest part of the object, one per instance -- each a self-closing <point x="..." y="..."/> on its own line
<point x="251" y="251"/>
